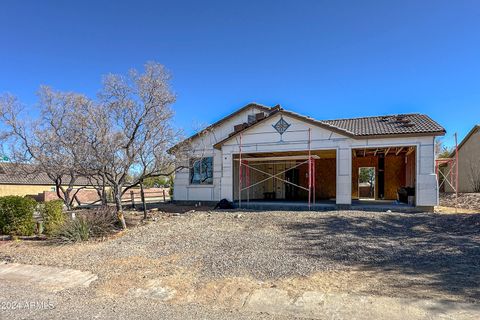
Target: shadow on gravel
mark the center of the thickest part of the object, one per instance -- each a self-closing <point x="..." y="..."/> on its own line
<point x="441" y="251"/>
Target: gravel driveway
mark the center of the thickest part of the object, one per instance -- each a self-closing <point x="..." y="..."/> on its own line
<point x="213" y="259"/>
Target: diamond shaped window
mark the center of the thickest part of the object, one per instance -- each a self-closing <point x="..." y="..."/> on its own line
<point x="281" y="126"/>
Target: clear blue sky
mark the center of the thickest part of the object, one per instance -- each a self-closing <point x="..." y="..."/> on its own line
<point x="326" y="59"/>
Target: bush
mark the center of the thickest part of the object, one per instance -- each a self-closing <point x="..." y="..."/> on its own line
<point x="16" y="215"/>
<point x="74" y="230"/>
<point x="88" y="225"/>
<point x="53" y="216"/>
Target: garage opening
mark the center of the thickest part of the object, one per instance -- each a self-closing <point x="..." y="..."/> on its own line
<point x="283" y="177"/>
<point x="384" y="175"/>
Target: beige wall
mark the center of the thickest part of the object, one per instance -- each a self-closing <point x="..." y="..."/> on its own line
<point x="468" y="164"/>
<point x="23" y="190"/>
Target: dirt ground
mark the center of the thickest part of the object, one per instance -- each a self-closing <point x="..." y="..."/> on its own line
<point x="466" y="202"/>
<point x="184" y="256"/>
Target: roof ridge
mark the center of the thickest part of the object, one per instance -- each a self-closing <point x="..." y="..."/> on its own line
<point x="377" y="116"/>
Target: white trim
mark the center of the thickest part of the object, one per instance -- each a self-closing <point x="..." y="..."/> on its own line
<point x="279" y="158"/>
<point x="201" y="186"/>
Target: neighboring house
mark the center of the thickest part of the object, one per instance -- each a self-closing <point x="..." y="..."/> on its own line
<point x="15" y="182"/>
<point x="468" y="163"/>
<point x="274" y="144"/>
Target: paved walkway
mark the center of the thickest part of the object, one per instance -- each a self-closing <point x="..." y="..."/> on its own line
<point x="318" y="305"/>
<point x="48" y="278"/>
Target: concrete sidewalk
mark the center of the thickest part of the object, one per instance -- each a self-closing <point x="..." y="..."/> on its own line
<point x="48" y="278"/>
<point x="318" y="305"/>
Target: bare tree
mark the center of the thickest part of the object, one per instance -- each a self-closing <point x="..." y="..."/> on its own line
<point x="134" y="130"/>
<point x="51" y="145"/>
<point x="116" y="142"/>
<point x="442" y="151"/>
<point x="475" y="175"/>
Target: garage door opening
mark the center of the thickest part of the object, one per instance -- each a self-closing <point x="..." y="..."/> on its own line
<point x="384" y="175"/>
<point x="284" y="177"/>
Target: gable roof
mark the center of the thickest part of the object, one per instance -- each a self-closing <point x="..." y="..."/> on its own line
<point x="231" y="115"/>
<point x="371" y="127"/>
<point x="10" y="173"/>
<point x="469" y="134"/>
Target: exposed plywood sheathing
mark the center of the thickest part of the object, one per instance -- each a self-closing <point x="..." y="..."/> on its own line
<point x="395" y="175"/>
<point x="400" y="169"/>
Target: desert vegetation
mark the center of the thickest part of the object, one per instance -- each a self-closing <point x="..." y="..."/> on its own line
<point x="117" y="141"/>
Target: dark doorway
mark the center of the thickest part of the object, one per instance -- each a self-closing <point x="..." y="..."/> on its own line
<point x="291" y="192"/>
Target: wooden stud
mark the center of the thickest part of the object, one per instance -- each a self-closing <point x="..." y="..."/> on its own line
<point x="398" y="151"/>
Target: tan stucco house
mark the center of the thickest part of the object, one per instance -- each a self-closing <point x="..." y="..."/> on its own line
<point x="468" y="162"/>
<point x="14" y="182"/>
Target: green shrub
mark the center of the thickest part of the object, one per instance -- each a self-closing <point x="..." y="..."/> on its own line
<point x="16" y="215"/>
<point x="74" y="230"/>
<point x="52" y="216"/>
<point x="88" y="225"/>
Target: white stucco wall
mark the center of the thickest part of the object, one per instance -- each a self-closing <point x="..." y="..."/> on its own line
<point x="264" y="138"/>
<point x="203" y="147"/>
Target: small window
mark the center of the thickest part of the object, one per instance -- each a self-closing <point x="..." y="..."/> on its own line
<point x="201" y="171"/>
<point x="251" y="118"/>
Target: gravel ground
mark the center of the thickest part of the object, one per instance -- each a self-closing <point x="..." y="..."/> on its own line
<point x="469" y="201"/>
<point x="80" y="304"/>
<point x="210" y="258"/>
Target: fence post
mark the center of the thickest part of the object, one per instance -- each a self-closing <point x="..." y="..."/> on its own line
<point x="163" y="195"/>
<point x="132" y="197"/>
<point x="144" y="204"/>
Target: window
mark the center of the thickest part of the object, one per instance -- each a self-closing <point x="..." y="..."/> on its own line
<point x="251" y="118"/>
<point x="201" y="171"/>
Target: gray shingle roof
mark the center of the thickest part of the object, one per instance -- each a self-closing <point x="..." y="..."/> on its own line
<point x="387" y="125"/>
<point x="13" y="174"/>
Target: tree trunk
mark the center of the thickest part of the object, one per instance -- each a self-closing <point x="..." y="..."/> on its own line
<point x="119" y="207"/>
<point x="66" y="199"/>
<point x="63" y="195"/>
<point x="144" y="204"/>
<point x="104" y="196"/>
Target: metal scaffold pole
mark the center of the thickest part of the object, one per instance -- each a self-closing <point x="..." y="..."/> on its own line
<point x="313" y="179"/>
<point x="240" y="174"/>
<point x="447" y="172"/>
<point x="309" y="170"/>
<point x="456" y="173"/>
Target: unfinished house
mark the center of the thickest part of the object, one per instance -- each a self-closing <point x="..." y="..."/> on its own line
<point x="270" y="158"/>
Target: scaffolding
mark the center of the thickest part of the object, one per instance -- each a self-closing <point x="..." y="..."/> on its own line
<point x="450" y="177"/>
<point x="249" y="163"/>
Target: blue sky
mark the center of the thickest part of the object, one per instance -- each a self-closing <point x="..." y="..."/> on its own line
<point x="325" y="59"/>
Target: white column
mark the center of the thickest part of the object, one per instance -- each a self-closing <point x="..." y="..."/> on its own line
<point x="427" y="187"/>
<point x="344" y="175"/>
<point x="227" y="177"/>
